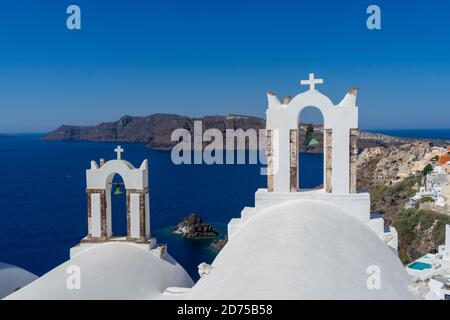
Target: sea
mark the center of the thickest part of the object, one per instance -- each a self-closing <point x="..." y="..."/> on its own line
<point x="43" y="203"/>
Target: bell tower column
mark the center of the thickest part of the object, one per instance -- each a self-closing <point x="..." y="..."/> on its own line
<point x="354" y="133"/>
<point x="138" y="215"/>
<point x="328" y="158"/>
<point x="294" y="169"/>
<point x="269" y="154"/>
<point x="97" y="226"/>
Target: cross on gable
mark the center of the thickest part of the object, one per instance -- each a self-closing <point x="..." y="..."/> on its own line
<point x="311" y="82"/>
<point x="119" y="151"/>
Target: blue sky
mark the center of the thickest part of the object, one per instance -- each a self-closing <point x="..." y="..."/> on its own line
<point x="218" y="57"/>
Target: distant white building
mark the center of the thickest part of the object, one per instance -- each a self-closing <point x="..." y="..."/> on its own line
<point x="434" y="182"/>
<point x="294" y="244"/>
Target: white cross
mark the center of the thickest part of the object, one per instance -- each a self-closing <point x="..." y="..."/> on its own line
<point x="311" y="82"/>
<point x="119" y="151"/>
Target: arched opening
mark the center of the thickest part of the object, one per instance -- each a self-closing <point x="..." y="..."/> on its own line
<point x="117" y="211"/>
<point x="310" y="144"/>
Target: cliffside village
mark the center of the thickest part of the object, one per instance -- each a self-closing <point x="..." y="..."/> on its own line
<point x="435" y="193"/>
<point x="431" y="272"/>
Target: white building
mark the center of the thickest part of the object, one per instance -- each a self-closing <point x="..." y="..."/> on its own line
<point x="434" y="182"/>
<point x="294" y="244"/>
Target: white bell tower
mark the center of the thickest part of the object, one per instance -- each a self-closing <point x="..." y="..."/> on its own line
<point x="340" y="135"/>
<point x="340" y="132"/>
<point x="99" y="183"/>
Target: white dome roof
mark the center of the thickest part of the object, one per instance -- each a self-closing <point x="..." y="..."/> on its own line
<point x="113" y="270"/>
<point x="303" y="250"/>
<point x="13" y="278"/>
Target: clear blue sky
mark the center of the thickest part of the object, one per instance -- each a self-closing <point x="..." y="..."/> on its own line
<point x="218" y="57"/>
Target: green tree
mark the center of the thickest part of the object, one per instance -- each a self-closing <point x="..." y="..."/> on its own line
<point x="428" y="168"/>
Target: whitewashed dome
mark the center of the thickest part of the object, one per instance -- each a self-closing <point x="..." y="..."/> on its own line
<point x="13" y="278"/>
<point x="303" y="249"/>
<point x="113" y="270"/>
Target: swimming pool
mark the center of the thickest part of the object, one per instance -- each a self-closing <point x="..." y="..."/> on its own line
<point x="420" y="266"/>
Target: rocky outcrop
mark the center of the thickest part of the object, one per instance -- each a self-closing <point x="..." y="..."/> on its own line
<point x="393" y="164"/>
<point x="218" y="245"/>
<point x="193" y="227"/>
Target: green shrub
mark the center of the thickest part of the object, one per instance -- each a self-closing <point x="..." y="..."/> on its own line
<point x="439" y="229"/>
<point x="405" y="224"/>
<point x="426" y="199"/>
<point x="428" y="168"/>
<point x="427" y="219"/>
<point x="410" y="235"/>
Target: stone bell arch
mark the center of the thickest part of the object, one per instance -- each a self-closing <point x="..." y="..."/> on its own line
<point x="99" y="183"/>
<point x="340" y="137"/>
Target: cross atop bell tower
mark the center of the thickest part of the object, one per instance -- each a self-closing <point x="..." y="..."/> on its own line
<point x="119" y="152"/>
<point x="311" y="82"/>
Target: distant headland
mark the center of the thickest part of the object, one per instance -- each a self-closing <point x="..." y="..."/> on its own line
<point x="155" y="131"/>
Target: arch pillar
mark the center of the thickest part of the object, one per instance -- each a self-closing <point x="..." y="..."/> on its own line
<point x="97" y="217"/>
<point x="354" y="133"/>
<point x="328" y="159"/>
<point x="138" y="214"/>
<point x="294" y="171"/>
<point x="269" y="155"/>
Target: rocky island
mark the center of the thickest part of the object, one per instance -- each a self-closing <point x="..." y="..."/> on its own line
<point x="193" y="227"/>
<point x="155" y="131"/>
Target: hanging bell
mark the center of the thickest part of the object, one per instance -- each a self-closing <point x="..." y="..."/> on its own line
<point x="310" y="137"/>
<point x="118" y="190"/>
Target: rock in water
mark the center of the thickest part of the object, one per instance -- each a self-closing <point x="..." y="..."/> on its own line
<point x="193" y="227"/>
<point x="218" y="245"/>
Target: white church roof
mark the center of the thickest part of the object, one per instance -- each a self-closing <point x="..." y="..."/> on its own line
<point x="13" y="278"/>
<point x="303" y="250"/>
<point x="112" y="270"/>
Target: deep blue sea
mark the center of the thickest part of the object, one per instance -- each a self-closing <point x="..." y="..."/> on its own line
<point x="43" y="204"/>
<point x="443" y="134"/>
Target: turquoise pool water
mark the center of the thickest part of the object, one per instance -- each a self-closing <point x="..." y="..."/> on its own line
<point x="420" y="266"/>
